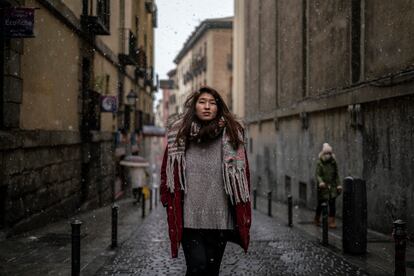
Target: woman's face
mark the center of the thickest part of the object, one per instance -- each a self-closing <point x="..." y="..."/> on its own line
<point x="327" y="156"/>
<point x="206" y="107"/>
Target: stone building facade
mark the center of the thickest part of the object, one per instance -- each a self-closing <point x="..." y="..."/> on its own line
<point x="331" y="71"/>
<point x="57" y="147"/>
<point x="172" y="94"/>
<point x="205" y="59"/>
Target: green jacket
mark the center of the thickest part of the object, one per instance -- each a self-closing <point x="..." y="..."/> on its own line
<point x="327" y="172"/>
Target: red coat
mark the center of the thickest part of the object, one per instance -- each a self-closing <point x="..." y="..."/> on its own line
<point x="174" y="203"/>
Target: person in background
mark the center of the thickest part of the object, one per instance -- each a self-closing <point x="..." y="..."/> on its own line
<point x="329" y="185"/>
<point x="205" y="183"/>
<point x="138" y="185"/>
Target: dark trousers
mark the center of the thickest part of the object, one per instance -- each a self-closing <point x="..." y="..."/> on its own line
<point x="331" y="207"/>
<point x="203" y="250"/>
<point x="137" y="192"/>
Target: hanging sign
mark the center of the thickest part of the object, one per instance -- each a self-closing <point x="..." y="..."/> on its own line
<point x="18" y="22"/>
<point x="109" y="104"/>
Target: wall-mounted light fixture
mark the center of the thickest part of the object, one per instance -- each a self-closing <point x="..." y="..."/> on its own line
<point x="132" y="98"/>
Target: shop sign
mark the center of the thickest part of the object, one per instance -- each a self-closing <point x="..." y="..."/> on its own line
<point x="18" y="22"/>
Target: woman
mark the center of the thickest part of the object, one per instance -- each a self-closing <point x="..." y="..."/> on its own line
<point x="329" y="185"/>
<point x="205" y="183"/>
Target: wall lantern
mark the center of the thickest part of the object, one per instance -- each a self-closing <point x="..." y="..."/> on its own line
<point x="132" y="98"/>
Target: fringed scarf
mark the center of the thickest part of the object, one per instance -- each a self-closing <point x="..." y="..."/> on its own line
<point x="234" y="164"/>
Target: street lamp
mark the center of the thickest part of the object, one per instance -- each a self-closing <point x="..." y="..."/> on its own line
<point x="132" y="98"/>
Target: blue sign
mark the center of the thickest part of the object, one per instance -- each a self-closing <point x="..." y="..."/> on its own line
<point x="109" y="104"/>
<point x="18" y="22"/>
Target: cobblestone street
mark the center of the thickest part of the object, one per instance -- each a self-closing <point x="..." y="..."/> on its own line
<point x="274" y="250"/>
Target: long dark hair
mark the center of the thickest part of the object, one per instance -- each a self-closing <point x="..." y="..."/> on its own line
<point x="232" y="126"/>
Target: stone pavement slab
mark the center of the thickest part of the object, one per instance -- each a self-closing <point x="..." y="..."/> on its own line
<point x="47" y="251"/>
<point x="379" y="259"/>
<point x="274" y="250"/>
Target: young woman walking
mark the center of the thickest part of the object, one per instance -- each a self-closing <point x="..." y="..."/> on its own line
<point x="205" y="183"/>
<point x="329" y="185"/>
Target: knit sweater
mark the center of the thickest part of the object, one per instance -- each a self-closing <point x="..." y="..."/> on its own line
<point x="206" y="205"/>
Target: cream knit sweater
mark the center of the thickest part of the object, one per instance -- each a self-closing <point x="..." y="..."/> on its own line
<point x="206" y="205"/>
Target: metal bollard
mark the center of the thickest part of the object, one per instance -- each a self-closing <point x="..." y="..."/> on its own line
<point x="354" y="216"/>
<point x="400" y="238"/>
<point x="269" y="204"/>
<point x="115" y="209"/>
<point x="156" y="197"/>
<point x="325" y="223"/>
<point x="143" y="206"/>
<point x="76" y="225"/>
<point x="290" y="210"/>
<point x="151" y="199"/>
<point x="254" y="199"/>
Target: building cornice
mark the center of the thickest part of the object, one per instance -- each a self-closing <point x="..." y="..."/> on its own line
<point x="208" y="24"/>
<point x="370" y="91"/>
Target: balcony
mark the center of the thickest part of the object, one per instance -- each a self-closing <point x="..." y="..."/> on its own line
<point x="229" y="62"/>
<point x="96" y="21"/>
<point x="140" y="73"/>
<point x="149" y="78"/>
<point x="131" y="57"/>
<point x="198" y="66"/>
<point x="94" y="25"/>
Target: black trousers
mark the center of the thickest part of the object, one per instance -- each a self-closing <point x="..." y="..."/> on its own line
<point x="203" y="250"/>
<point x="137" y="192"/>
<point x="331" y="207"/>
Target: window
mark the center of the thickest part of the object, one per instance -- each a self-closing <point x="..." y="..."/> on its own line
<point x="137" y="24"/>
<point x="137" y="30"/>
<point x="103" y="11"/>
<point x="133" y="46"/>
<point x="107" y="84"/>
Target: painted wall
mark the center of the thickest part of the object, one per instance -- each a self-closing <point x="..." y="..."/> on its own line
<point x="50" y="70"/>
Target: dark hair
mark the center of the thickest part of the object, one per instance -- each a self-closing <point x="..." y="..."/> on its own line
<point x="232" y="126"/>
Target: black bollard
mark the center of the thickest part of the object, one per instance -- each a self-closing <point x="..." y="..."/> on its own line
<point x="254" y="199"/>
<point x="76" y="225"/>
<point x="143" y="206"/>
<point x="151" y="199"/>
<point x="354" y="216"/>
<point x="115" y="209"/>
<point x="324" y="223"/>
<point x="290" y="210"/>
<point x="400" y="238"/>
<point x="269" y="204"/>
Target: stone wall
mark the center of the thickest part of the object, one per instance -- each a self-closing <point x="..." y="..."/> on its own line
<point x="380" y="151"/>
<point x="42" y="177"/>
<point x="342" y="73"/>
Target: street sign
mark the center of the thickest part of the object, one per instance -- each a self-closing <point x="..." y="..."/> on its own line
<point x="109" y="104"/>
<point x="18" y="22"/>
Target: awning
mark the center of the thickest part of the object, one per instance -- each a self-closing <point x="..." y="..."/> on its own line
<point x="153" y="131"/>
